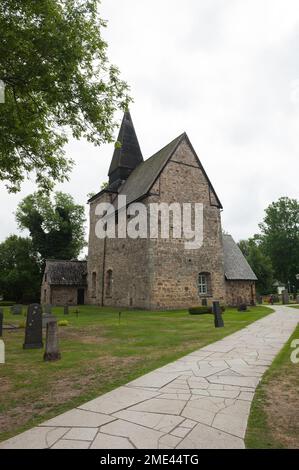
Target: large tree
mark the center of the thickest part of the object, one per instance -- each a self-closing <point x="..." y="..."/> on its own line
<point x="260" y="263"/>
<point x="280" y="239"/>
<point x="56" y="225"/>
<point x="20" y="273"/>
<point x="58" y="82"/>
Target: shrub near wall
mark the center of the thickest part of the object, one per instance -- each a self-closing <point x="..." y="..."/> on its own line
<point x="202" y="310"/>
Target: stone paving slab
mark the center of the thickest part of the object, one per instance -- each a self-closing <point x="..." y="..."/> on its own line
<point x="201" y="401"/>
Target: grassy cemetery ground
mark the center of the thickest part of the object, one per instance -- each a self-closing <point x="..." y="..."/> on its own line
<point x="99" y="352"/>
<point x="274" y="416"/>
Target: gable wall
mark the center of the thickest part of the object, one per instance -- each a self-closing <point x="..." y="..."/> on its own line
<point x="173" y="269"/>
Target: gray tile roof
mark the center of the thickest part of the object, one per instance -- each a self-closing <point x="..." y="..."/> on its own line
<point x="66" y="273"/>
<point x="236" y="266"/>
<point x="143" y="177"/>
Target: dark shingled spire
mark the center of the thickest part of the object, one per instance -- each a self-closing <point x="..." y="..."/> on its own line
<point x="128" y="156"/>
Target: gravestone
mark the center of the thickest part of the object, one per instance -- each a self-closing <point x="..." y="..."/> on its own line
<point x="52" y="345"/>
<point x="297" y="299"/>
<point x="48" y="316"/>
<point x="34" y="328"/>
<point x="1" y="321"/>
<point x="285" y="297"/>
<point x="48" y="309"/>
<point x="218" y="320"/>
<point x="66" y="310"/>
<point x="242" y="308"/>
<point x="16" y="309"/>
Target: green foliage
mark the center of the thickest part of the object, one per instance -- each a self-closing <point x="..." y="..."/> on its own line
<point x="56" y="226"/>
<point x="58" y="83"/>
<point x="280" y="239"/>
<point x="199" y="310"/>
<point x="63" y="323"/>
<point x="260" y="263"/>
<point x="20" y="273"/>
<point x="104" y="185"/>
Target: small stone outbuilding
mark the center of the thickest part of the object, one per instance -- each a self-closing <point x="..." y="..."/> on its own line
<point x="64" y="283"/>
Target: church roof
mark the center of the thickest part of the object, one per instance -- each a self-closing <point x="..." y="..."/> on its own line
<point x="236" y="266"/>
<point x="129" y="175"/>
<point x="143" y="177"/>
<point x="66" y="272"/>
<point x="127" y="154"/>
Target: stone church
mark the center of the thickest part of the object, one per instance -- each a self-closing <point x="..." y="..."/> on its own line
<point x="154" y="273"/>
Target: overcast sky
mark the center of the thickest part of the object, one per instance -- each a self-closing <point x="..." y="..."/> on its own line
<point x="224" y="71"/>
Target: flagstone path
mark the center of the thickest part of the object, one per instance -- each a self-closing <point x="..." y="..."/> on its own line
<point x="197" y="402"/>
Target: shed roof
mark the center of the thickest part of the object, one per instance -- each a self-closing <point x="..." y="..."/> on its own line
<point x="66" y="272"/>
<point x="236" y="266"/>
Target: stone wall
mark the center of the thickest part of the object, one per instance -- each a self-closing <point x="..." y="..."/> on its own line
<point x="60" y="295"/>
<point x="127" y="259"/>
<point x="173" y="269"/>
<point x="240" y="292"/>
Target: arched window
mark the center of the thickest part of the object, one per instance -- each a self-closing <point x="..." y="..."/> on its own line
<point x="204" y="284"/>
<point x="94" y="284"/>
<point x="109" y="282"/>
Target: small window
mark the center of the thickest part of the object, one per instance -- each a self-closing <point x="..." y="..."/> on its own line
<point x="109" y="282"/>
<point x="202" y="284"/>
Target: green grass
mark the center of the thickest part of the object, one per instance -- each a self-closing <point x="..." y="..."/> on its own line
<point x="99" y="352"/>
<point x="274" y="415"/>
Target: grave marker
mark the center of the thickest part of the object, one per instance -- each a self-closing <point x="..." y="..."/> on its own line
<point x="52" y="345"/>
<point x="218" y="320"/>
<point x="34" y="330"/>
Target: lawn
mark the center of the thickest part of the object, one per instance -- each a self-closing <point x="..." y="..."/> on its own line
<point x="99" y="352"/>
<point x="274" y="415"/>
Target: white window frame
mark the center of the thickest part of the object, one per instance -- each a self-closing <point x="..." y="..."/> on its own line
<point x="202" y="284"/>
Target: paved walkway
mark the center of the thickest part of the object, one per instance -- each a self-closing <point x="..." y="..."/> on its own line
<point x="199" y="401"/>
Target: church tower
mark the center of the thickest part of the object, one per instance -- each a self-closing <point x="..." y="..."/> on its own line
<point x="127" y="154"/>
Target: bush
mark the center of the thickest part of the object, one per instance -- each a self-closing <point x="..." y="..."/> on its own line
<point x="242" y="308"/>
<point x="63" y="323"/>
<point x="199" y="310"/>
<point x="204" y="309"/>
<point x="22" y="324"/>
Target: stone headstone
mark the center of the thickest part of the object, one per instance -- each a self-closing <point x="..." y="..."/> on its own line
<point x="52" y="345"/>
<point x="242" y="308"/>
<point x="48" y="309"/>
<point x="1" y="321"/>
<point x="34" y="330"/>
<point x="218" y="320"/>
<point x="297" y="299"/>
<point x="66" y="310"/>
<point x="285" y="297"/>
<point x="16" y="309"/>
